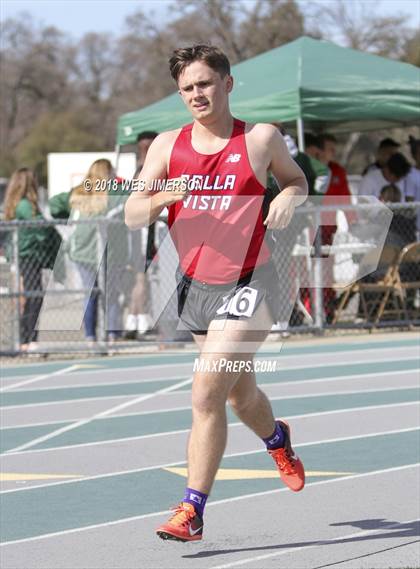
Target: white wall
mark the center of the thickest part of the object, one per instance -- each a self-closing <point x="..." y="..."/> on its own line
<point x="67" y="169"/>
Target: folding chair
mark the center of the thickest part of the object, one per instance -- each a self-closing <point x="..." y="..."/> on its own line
<point x="410" y="255"/>
<point x="343" y="299"/>
<point x="374" y="296"/>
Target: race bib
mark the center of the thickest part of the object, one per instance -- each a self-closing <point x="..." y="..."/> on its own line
<point x="242" y="304"/>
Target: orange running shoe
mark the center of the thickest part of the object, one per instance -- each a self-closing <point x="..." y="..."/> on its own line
<point x="289" y="465"/>
<point x="184" y="525"/>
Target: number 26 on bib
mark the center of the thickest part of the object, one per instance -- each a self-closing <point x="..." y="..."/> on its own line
<point x="242" y="304"/>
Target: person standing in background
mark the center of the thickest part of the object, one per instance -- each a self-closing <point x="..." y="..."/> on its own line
<point x="89" y="201"/>
<point x="387" y="147"/>
<point x="322" y="174"/>
<point x="393" y="172"/>
<point x="138" y="320"/>
<point x="21" y="203"/>
<point x="337" y="187"/>
<point x="412" y="180"/>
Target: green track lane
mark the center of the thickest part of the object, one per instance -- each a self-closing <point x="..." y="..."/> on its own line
<point x="26" y="397"/>
<point x="151" y="423"/>
<point x="39" y="511"/>
<point x="287" y="349"/>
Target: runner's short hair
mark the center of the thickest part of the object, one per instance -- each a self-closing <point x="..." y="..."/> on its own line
<point x="212" y="56"/>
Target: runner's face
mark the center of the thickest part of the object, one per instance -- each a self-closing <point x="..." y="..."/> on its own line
<point x="203" y="90"/>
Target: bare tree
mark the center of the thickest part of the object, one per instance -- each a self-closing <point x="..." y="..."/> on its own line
<point x="411" y="52"/>
<point x="270" y="24"/>
<point x="94" y="66"/>
<point x="357" y="24"/>
<point x="34" y="80"/>
<point x="49" y="82"/>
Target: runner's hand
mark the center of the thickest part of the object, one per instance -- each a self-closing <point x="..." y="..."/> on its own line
<point x="176" y="190"/>
<point x="281" y="212"/>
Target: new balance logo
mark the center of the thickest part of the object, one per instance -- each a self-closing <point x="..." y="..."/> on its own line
<point x="233" y="158"/>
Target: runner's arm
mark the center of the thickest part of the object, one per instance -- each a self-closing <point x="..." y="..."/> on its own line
<point x="291" y="179"/>
<point x="145" y="204"/>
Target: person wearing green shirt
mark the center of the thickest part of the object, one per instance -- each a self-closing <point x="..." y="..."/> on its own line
<point x="21" y="203"/>
<point x="88" y="201"/>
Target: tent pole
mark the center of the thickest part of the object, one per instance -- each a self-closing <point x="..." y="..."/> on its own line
<point x="117" y="156"/>
<point x="300" y="135"/>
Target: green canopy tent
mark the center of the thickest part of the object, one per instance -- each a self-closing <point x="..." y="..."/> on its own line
<point x="306" y="82"/>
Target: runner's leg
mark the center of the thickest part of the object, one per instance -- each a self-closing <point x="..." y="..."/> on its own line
<point x="251" y="405"/>
<point x="210" y="391"/>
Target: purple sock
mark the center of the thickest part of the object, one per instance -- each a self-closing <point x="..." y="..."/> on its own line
<point x="276" y="440"/>
<point x="196" y="498"/>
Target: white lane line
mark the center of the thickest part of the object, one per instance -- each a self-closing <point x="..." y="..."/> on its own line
<point x="23" y="406"/>
<point x="273" y="398"/>
<point x="183" y="462"/>
<point x="105" y="413"/>
<point x="108" y="384"/>
<point x="371" y="374"/>
<point x="320" y="542"/>
<point x="183" y="431"/>
<point x="209" y="504"/>
<point x="38" y="378"/>
<point x="123" y="368"/>
<point x="379" y="375"/>
<point x="188" y="407"/>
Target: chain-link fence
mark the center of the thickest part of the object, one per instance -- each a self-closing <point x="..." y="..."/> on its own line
<point x="339" y="265"/>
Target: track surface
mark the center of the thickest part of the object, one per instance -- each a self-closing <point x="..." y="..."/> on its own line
<point x="93" y="455"/>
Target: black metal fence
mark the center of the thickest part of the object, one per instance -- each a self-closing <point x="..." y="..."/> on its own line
<point x="356" y="267"/>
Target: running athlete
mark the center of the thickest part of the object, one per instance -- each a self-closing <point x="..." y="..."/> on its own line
<point x="227" y="290"/>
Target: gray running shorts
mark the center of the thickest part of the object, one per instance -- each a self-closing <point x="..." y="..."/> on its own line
<point x="200" y="303"/>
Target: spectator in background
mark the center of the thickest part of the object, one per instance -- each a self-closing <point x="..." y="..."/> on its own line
<point x="392" y="172"/>
<point x="412" y="180"/>
<point x="321" y="170"/>
<point x="82" y="204"/>
<point x="282" y="247"/>
<point x="83" y="242"/>
<point x="21" y="203"/>
<point x="402" y="230"/>
<point x="415" y="151"/>
<point x="387" y="147"/>
<point x="138" y="319"/>
<point x="337" y="187"/>
<point x="338" y="184"/>
<point x="301" y="158"/>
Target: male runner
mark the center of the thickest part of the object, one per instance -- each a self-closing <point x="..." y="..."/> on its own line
<point x="219" y="280"/>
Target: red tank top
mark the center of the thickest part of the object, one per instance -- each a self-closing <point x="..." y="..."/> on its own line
<point x="218" y="229"/>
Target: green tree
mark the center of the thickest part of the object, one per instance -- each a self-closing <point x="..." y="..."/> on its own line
<point x="55" y="132"/>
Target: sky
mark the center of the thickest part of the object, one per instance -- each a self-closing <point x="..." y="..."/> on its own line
<point x="78" y="17"/>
